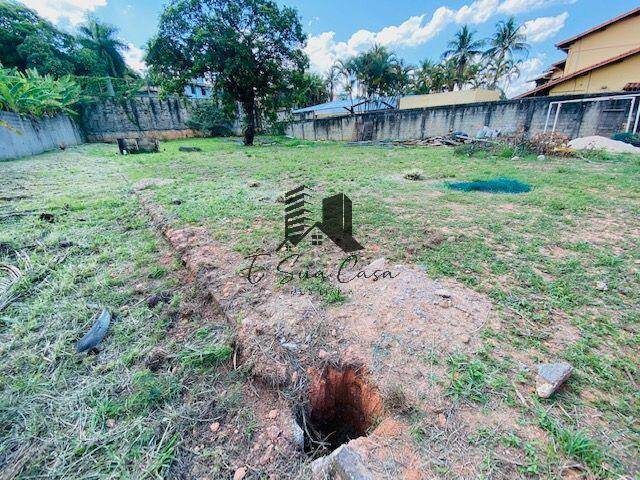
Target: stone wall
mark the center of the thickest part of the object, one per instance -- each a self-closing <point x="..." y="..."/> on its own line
<point x="142" y="116"/>
<point x="21" y="136"/>
<point x="139" y="117"/>
<point x="578" y="119"/>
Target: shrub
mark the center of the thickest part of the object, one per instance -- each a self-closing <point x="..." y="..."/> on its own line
<point x="627" y="137"/>
<point x="208" y="118"/>
<point x="38" y="95"/>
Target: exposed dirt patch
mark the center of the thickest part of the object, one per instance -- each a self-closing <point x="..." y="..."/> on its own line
<point x="302" y="354"/>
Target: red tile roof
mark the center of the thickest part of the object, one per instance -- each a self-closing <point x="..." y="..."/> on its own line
<point x="565" y="43"/>
<point x="577" y="73"/>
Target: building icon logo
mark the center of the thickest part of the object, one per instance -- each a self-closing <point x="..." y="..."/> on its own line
<point x="336" y="221"/>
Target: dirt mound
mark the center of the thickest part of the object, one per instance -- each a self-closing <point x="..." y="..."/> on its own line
<point x="597" y="142"/>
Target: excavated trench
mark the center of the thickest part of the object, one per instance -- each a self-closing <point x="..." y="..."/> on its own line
<point x="342" y="406"/>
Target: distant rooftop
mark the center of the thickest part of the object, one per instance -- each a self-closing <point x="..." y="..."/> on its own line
<point x="357" y="105"/>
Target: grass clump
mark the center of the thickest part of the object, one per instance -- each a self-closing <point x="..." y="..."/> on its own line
<point x="497" y="185"/>
<point x="205" y="357"/>
<point x="468" y="378"/>
<point x="574" y="443"/>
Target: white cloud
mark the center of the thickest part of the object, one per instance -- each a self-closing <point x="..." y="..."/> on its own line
<point x="542" y="28"/>
<point x="72" y="11"/>
<point x="477" y="12"/>
<point x="323" y="50"/>
<point x="529" y="69"/>
<point x="133" y="56"/>
<point x="511" y="7"/>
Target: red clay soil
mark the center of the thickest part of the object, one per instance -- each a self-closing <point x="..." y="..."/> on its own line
<point x="303" y="354"/>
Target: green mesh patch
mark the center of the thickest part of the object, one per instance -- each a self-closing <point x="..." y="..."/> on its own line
<point x="496" y="185"/>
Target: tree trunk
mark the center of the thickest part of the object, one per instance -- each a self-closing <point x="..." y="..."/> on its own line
<point x="250" y="117"/>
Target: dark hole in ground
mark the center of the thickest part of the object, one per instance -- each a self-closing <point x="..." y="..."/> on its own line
<point x="343" y="406"/>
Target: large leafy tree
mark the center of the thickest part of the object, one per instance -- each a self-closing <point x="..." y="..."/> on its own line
<point x="101" y="38"/>
<point x="249" y="47"/>
<point x="506" y="43"/>
<point x="463" y="50"/>
<point x="28" y="41"/>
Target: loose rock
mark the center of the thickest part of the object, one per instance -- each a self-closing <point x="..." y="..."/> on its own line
<point x="550" y="378"/>
<point x="240" y="473"/>
<point x="343" y="464"/>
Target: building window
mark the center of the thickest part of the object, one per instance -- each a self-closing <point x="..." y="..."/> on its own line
<point x="193" y="90"/>
<point x="204" y="91"/>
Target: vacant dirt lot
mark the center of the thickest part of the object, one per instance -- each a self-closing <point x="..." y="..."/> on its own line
<point x="205" y="375"/>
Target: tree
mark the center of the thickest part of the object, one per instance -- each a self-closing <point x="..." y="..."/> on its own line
<point x="310" y="89"/>
<point x="343" y="70"/>
<point x="462" y="50"/>
<point x="332" y="78"/>
<point x="378" y="71"/>
<point x="28" y="41"/>
<point x="249" y="47"/>
<point x="101" y="38"/>
<point x="507" y="41"/>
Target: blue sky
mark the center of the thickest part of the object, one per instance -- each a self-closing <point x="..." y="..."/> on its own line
<point x="413" y="29"/>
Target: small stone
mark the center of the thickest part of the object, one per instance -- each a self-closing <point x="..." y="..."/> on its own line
<point x="214" y="427"/>
<point x="550" y="378"/>
<point x="342" y="463"/>
<point x="465" y="339"/>
<point x="515" y="158"/>
<point x="176" y="201"/>
<point x="442" y="420"/>
<point x="323" y="354"/>
<point x="272" y="414"/>
<point x="602" y="286"/>
<point x="297" y="435"/>
<point x="111" y="423"/>
<point x="542" y="157"/>
<point x="240" y="473"/>
<point x="254" y="184"/>
<point x="290" y="346"/>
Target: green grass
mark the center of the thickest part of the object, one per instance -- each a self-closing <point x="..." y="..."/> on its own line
<point x="539" y="256"/>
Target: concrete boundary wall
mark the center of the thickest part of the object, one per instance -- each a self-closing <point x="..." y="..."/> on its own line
<point x="575" y="119"/>
<point x="26" y="136"/>
<point x="164" y="119"/>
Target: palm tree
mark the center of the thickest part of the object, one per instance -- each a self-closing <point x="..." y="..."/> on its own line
<point x="343" y="69"/>
<point x="101" y="38"/>
<point x="462" y="50"/>
<point x="506" y="42"/>
<point x="424" y="77"/>
<point x="332" y="78"/>
<point x="378" y="71"/>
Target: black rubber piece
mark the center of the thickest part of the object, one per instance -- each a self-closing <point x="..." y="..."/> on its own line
<point x="94" y="336"/>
